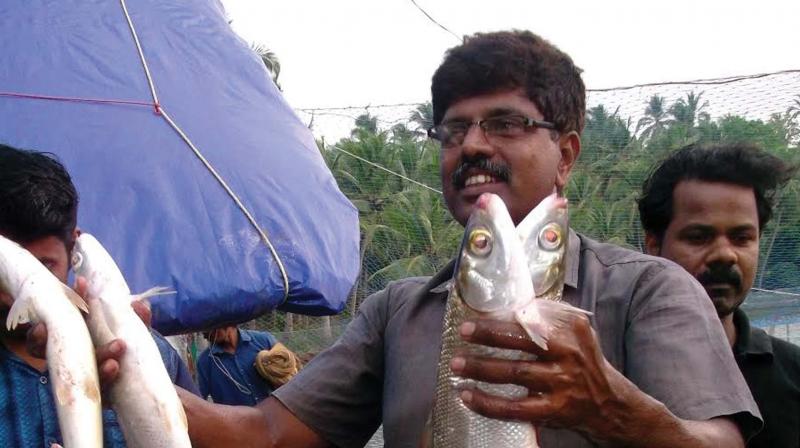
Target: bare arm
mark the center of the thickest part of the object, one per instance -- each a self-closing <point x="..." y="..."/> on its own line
<point x="573" y="386"/>
<point x="268" y="425"/>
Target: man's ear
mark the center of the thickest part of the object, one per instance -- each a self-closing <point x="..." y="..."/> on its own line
<point x="570" y="146"/>
<point x="652" y="244"/>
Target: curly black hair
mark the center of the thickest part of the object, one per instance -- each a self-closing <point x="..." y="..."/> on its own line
<point x="493" y="62"/>
<point x="37" y="197"/>
<point x="741" y="164"/>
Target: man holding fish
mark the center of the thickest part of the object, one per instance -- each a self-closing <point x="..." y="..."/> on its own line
<point x="38" y="210"/>
<point x="648" y="366"/>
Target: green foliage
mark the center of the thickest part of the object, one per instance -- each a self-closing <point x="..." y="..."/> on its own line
<point x="407" y="230"/>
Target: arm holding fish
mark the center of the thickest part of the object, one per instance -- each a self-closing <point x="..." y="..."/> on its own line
<point x="573" y="386"/>
<point x="107" y="355"/>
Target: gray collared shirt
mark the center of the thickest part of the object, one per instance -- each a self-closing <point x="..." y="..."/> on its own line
<point x="655" y="323"/>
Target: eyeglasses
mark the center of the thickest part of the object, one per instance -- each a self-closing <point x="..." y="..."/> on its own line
<point x="506" y="126"/>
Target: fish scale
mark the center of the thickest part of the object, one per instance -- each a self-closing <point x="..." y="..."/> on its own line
<point x="451" y="416"/>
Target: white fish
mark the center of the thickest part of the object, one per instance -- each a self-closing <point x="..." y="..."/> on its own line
<point x="496" y="278"/>
<point x="40" y="297"/>
<point x="491" y="279"/>
<point x="143" y="396"/>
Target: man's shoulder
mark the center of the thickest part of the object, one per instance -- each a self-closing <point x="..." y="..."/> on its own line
<point x="787" y="353"/>
<point x="609" y="254"/>
<point x="598" y="256"/>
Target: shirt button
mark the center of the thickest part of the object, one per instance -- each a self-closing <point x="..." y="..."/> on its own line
<point x="43" y="379"/>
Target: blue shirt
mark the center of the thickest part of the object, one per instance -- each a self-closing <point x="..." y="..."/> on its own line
<point x="215" y="364"/>
<point x="27" y="412"/>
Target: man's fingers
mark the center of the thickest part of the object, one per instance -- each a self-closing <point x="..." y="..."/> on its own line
<point x="81" y="286"/>
<point x="111" y="351"/>
<point x="142" y="309"/>
<point x="108" y="372"/>
<point x="529" y="409"/>
<point x="36" y="340"/>
<point x="536" y="376"/>
<point x="499" y="334"/>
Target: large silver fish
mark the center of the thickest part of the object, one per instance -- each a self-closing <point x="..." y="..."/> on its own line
<point x="40" y="297"/>
<point x="143" y="396"/>
<point x="495" y="277"/>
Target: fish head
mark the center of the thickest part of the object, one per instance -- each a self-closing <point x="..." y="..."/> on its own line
<point x="544" y="233"/>
<point x="491" y="272"/>
<point x="92" y="261"/>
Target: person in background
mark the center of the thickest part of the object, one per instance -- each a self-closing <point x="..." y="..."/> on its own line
<point x="705" y="208"/>
<point x="38" y="210"/>
<point x="650" y="367"/>
<point x="226" y="370"/>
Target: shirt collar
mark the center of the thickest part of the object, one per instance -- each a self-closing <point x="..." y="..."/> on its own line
<point x="441" y="281"/>
<point x="573" y="259"/>
<point x="750" y="341"/>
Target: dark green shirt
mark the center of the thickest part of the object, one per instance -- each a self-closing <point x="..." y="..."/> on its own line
<point x="771" y="367"/>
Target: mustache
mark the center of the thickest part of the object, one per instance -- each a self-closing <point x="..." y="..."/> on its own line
<point x="720" y="273"/>
<point x="459" y="176"/>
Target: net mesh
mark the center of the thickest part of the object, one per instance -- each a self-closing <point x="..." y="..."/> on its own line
<point x="386" y="166"/>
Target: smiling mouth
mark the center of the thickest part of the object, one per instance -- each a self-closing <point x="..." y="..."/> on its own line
<point x="479" y="179"/>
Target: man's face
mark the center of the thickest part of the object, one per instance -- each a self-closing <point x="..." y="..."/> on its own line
<point x="52" y="253"/>
<point x="221" y="336"/>
<point x="714" y="235"/>
<point x="534" y="164"/>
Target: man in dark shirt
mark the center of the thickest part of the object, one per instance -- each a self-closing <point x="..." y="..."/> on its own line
<point x="705" y="209"/>
<point x="38" y="210"/>
<point x="509" y="108"/>
<point x="226" y="369"/>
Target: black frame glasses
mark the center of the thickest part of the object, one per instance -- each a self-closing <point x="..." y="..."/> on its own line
<point x="506" y="126"/>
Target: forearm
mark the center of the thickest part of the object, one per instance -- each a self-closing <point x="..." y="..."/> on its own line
<point x="639" y="420"/>
<point x="213" y="425"/>
<point x="268" y="425"/>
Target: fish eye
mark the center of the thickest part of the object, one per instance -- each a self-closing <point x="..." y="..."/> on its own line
<point x="550" y="237"/>
<point x="480" y="242"/>
<point x="77" y="260"/>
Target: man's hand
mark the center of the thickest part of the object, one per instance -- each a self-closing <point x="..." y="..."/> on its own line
<point x="107" y="355"/>
<point x="571" y="385"/>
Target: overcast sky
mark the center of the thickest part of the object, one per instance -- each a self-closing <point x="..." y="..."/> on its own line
<point x="355" y="52"/>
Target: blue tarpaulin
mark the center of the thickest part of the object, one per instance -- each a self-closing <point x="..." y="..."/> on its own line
<point x="72" y="82"/>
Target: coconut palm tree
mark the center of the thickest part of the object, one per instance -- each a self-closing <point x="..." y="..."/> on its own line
<point x="686" y="111"/>
<point x="656" y="117"/>
<point x="422" y="117"/>
<point x="270" y="60"/>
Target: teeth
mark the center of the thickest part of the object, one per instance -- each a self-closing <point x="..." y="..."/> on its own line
<point x="479" y="179"/>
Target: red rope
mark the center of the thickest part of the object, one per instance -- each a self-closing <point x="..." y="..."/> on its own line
<point x="156" y="107"/>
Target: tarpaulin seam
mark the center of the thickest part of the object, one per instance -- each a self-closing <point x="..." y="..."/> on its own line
<point x="160" y="110"/>
<point x="76" y="99"/>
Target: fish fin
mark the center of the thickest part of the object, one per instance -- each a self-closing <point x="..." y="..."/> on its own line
<point x="75" y="298"/>
<point x="21" y="312"/>
<point x="154" y="291"/>
<point x="541" y="318"/>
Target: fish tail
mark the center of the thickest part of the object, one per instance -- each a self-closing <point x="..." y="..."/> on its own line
<point x="542" y="317"/>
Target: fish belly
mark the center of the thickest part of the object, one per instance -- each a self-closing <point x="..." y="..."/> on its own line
<point x="454" y="425"/>
<point x="73" y="377"/>
<point x="144" y="398"/>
